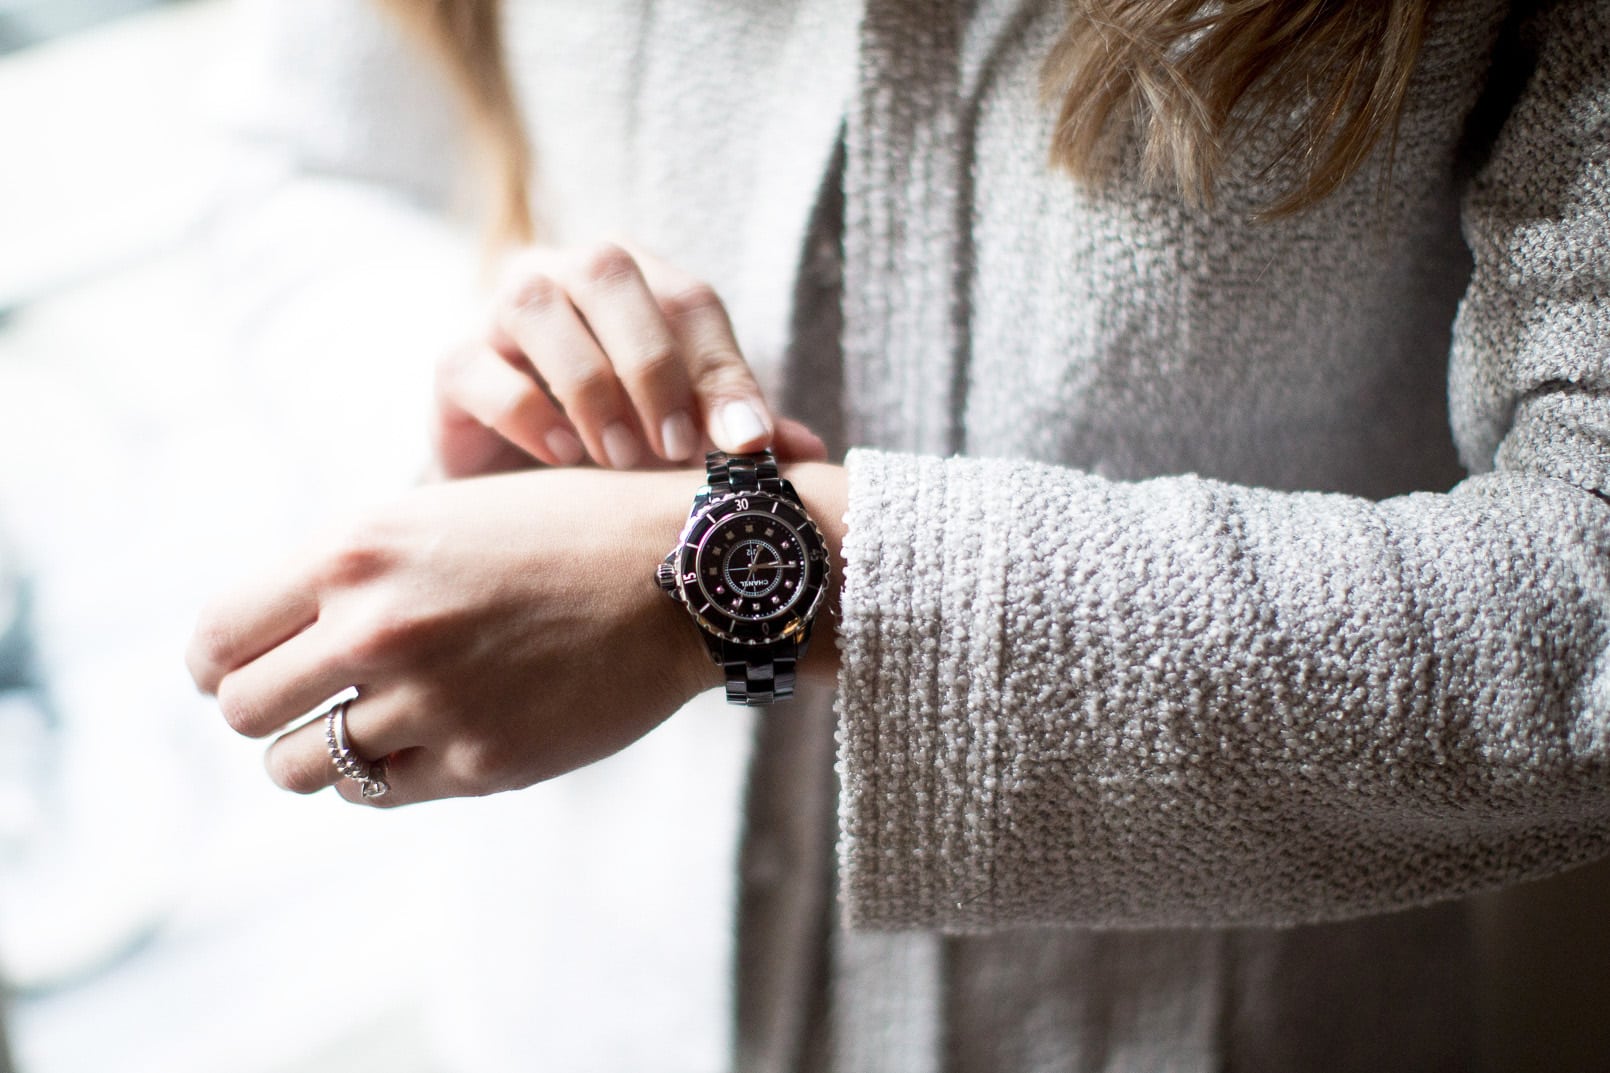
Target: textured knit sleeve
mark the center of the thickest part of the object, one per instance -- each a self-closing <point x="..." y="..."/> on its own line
<point x="1066" y="699"/>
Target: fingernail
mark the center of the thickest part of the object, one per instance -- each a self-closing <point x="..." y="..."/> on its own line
<point x="676" y="433"/>
<point x="565" y="447"/>
<point x="740" y="425"/>
<point x="620" y="446"/>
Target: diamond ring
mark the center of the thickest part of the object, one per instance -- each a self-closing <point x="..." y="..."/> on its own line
<point x="348" y="763"/>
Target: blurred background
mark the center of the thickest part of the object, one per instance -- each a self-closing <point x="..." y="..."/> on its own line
<point x="205" y="357"/>
<point x="160" y="907"/>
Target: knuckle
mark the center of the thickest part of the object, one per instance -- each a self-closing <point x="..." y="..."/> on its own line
<point x="692" y="300"/>
<point x="482" y="766"/>
<point x="607" y="263"/>
<point x="722" y="373"/>
<point x="532" y="295"/>
<point x="585" y="387"/>
<point x="652" y="364"/>
<point x="361" y="553"/>
<point x="387" y="637"/>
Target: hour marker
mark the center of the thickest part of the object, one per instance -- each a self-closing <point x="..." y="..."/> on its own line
<point x="770" y="531"/>
<point x="749" y="529"/>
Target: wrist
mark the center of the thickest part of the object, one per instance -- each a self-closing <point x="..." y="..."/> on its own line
<point x="824" y="489"/>
<point x="665" y="499"/>
<point x="727" y="599"/>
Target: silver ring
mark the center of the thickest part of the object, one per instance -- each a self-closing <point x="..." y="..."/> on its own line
<point x="352" y="766"/>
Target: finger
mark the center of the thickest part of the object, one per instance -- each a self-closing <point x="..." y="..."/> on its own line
<point x="536" y="320"/>
<point x="376" y="725"/>
<point x="466" y="448"/>
<point x="242" y="625"/>
<point x="465" y="767"/>
<point x="412" y="775"/>
<point x="284" y="683"/>
<point x="797" y="443"/>
<point x="614" y="298"/>
<point x="729" y="400"/>
<point x="479" y="384"/>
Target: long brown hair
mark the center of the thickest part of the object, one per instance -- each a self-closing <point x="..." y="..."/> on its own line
<point x="467" y="37"/>
<point x="1190" y="78"/>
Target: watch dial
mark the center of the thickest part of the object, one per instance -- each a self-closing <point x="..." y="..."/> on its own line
<point x="753" y="568"/>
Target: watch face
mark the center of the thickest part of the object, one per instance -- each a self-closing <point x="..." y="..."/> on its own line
<point x="752" y="568"/>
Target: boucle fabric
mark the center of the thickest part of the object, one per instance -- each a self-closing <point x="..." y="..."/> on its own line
<point x="1215" y="704"/>
<point x="1201" y="630"/>
<point x="1070" y="698"/>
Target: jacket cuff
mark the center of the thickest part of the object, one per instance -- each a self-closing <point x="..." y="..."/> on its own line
<point x="920" y="744"/>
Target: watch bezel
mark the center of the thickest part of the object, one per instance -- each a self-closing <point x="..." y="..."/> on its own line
<point x="791" y="624"/>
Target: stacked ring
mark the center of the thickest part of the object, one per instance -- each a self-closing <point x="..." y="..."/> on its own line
<point x="367" y="775"/>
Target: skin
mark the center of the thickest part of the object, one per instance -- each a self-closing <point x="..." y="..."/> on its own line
<point x="602" y="353"/>
<point x="503" y="627"/>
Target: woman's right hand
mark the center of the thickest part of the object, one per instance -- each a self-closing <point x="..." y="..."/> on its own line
<point x="604" y="353"/>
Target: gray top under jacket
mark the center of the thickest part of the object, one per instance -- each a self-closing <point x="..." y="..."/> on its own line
<point x="1194" y="676"/>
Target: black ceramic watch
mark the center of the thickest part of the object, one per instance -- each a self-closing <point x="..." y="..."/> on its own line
<point x="751" y="568"/>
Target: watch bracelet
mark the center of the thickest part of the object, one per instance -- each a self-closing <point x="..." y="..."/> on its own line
<point x="753" y="678"/>
<point x="745" y="473"/>
<point x="758" y="682"/>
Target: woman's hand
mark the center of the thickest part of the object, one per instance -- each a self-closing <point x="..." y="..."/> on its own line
<point x="603" y="353"/>
<point x="500" y="631"/>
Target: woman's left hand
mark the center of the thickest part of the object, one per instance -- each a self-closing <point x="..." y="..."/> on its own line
<point x="500" y="631"/>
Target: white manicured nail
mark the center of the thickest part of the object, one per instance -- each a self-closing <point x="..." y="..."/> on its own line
<point x="740" y="424"/>
<point x="676" y="434"/>
<point x="565" y="447"/>
<point x="620" y="446"/>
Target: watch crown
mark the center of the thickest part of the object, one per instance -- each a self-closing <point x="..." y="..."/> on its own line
<point x="665" y="577"/>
